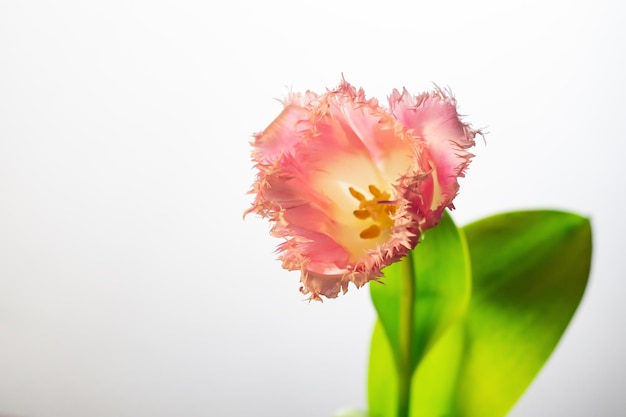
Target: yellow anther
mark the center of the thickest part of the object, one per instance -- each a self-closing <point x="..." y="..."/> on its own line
<point x="371" y="232"/>
<point x="379" y="209"/>
<point x="375" y="191"/>
<point x="361" y="214"/>
<point x="357" y="194"/>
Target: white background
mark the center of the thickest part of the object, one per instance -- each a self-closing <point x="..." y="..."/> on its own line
<point x="130" y="285"/>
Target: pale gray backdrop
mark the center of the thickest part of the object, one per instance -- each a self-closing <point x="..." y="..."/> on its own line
<point x="130" y="285"/>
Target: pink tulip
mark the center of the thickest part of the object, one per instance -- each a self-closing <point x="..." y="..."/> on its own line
<point x="350" y="186"/>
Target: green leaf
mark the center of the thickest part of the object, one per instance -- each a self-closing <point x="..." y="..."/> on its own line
<point x="530" y="270"/>
<point x="440" y="286"/>
<point x="349" y="412"/>
<point x="382" y="381"/>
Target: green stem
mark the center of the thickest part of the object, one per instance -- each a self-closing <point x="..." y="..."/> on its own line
<point x="406" y="335"/>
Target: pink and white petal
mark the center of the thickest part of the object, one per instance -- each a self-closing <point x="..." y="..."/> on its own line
<point x="329" y="283"/>
<point x="308" y="247"/>
<point x="386" y="141"/>
<point x="323" y="284"/>
<point x="433" y="118"/>
<point x="281" y="136"/>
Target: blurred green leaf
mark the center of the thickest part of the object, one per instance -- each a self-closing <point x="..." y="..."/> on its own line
<point x="440" y="269"/>
<point x="382" y="380"/>
<point x="529" y="272"/>
<point x="348" y="412"/>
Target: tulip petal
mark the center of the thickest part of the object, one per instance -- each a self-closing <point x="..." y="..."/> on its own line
<point x="433" y="119"/>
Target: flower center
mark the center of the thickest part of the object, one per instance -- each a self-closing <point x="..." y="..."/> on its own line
<point x="379" y="209"/>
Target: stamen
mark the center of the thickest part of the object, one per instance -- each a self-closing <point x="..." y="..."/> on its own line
<point x="361" y="214"/>
<point x="357" y="194"/>
<point x="371" y="232"/>
<point x="380" y="209"/>
<point x="374" y="191"/>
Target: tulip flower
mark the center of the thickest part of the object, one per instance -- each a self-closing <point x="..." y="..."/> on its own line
<point x="351" y="185"/>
